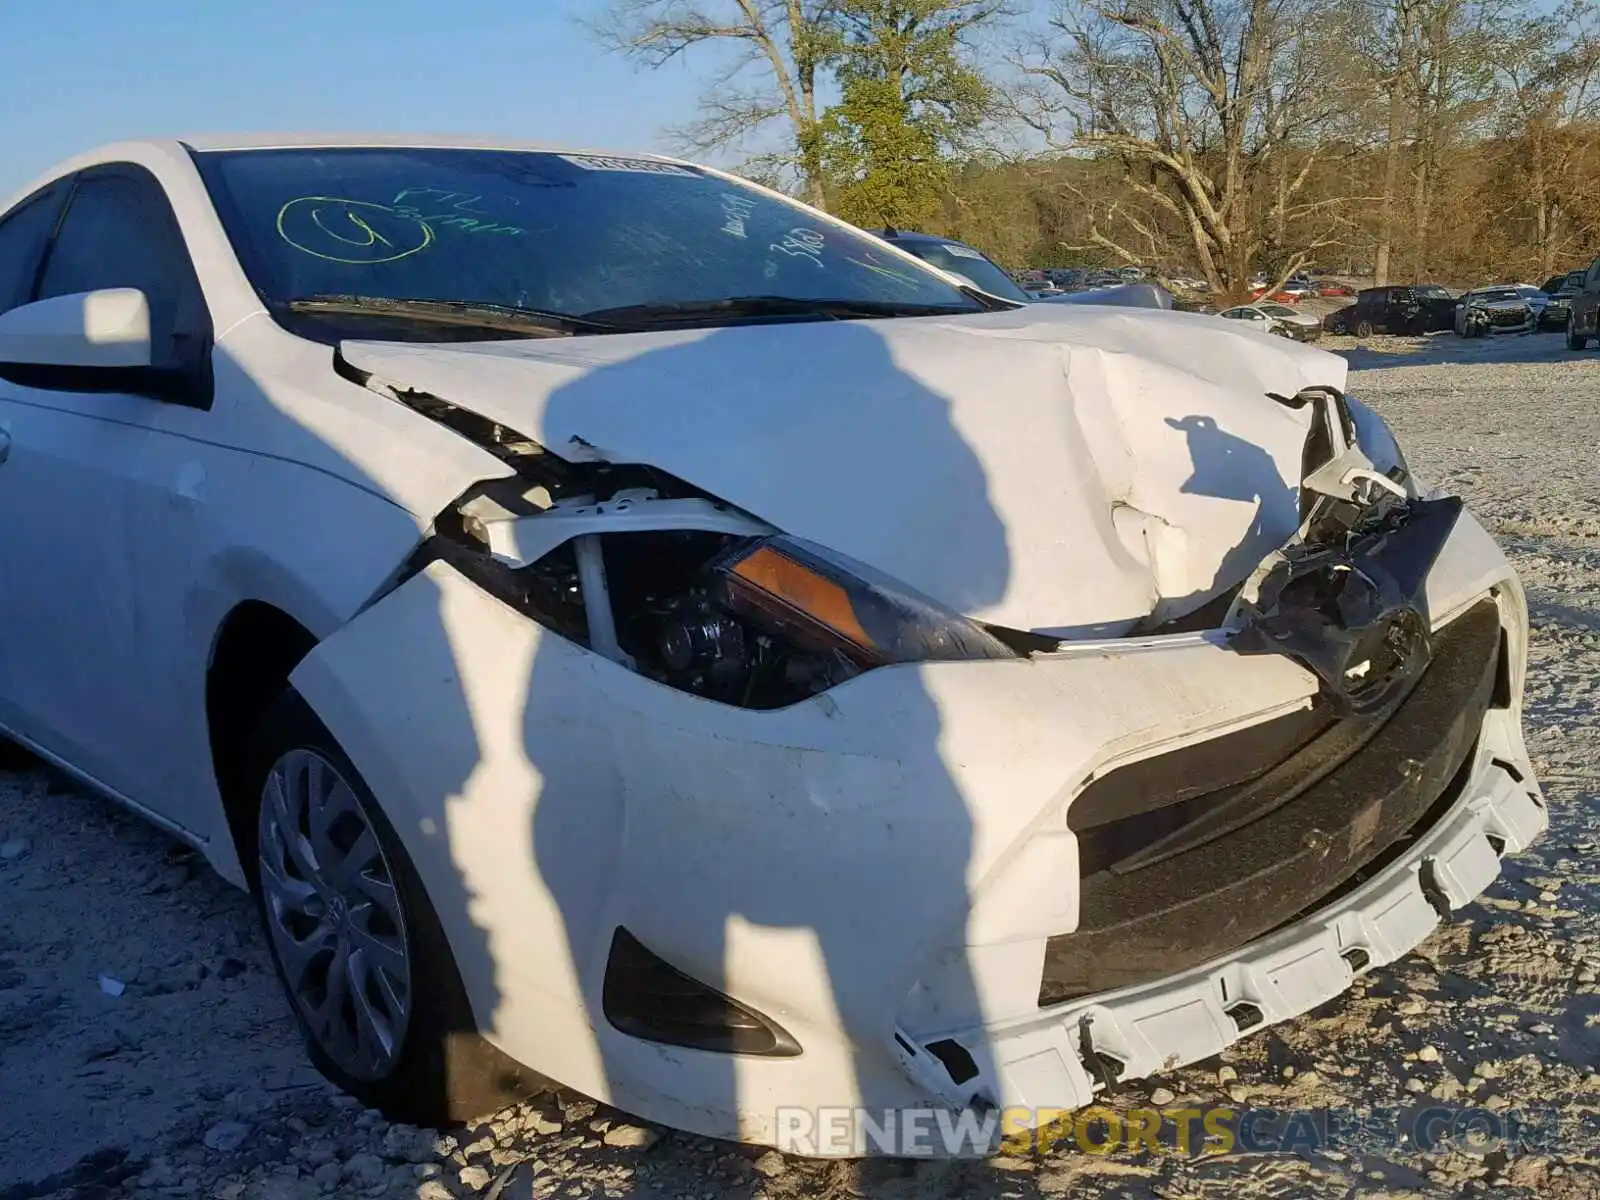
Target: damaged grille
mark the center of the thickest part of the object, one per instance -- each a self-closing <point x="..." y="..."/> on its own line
<point x="1509" y="318"/>
<point x="1190" y="855"/>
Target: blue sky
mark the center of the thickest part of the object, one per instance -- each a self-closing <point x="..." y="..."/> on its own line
<point x="76" y="73"/>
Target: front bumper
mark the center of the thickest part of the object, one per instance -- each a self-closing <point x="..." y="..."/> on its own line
<point x="1066" y="1054"/>
<point x="880" y="869"/>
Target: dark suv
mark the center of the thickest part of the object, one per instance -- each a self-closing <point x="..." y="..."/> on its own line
<point x="1398" y="308"/>
<point x="1561" y="289"/>
<point x="1583" y="317"/>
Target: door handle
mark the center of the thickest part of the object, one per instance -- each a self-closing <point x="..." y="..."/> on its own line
<point x="5" y="444"/>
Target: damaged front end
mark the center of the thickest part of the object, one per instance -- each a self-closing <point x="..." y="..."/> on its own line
<point x="647" y="571"/>
<point x="987" y="853"/>
<point x="1192" y="854"/>
<point x="1346" y="597"/>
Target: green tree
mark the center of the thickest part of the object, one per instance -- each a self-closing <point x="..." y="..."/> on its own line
<point x="910" y="102"/>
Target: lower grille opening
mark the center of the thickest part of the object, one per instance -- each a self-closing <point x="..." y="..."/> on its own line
<point x="1245" y="1016"/>
<point x="1194" y="854"/>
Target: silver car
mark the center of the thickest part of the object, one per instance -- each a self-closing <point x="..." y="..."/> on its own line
<point x="1511" y="308"/>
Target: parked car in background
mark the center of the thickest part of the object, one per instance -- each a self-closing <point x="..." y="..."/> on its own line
<point x="1253" y="316"/>
<point x="1302" y="326"/>
<point x="1283" y="295"/>
<point x="1396" y="308"/>
<point x="1509" y="308"/>
<point x="982" y="272"/>
<point x="1560" y="289"/>
<point x="1332" y="289"/>
<point x="1583" y="315"/>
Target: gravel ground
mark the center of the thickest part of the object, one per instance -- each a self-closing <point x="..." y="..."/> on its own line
<point x="145" y="1051"/>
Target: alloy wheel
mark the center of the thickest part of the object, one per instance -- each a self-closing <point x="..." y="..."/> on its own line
<point x="333" y="915"/>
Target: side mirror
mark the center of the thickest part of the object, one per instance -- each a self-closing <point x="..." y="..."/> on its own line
<point x="107" y="329"/>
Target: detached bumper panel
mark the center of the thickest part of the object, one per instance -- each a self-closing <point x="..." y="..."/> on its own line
<point x="1192" y="855"/>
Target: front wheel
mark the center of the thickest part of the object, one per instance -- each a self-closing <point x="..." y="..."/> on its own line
<point x="358" y="947"/>
<point x="1575" y="340"/>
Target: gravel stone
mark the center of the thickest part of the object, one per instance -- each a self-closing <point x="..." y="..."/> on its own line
<point x="474" y="1178"/>
<point x="226" y="1136"/>
<point x="771" y="1164"/>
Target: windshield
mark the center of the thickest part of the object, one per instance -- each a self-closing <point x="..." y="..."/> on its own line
<point x="561" y="234"/>
<point x="964" y="260"/>
<point x="1431" y="290"/>
<point x="1496" y="295"/>
<point x="1277" y="310"/>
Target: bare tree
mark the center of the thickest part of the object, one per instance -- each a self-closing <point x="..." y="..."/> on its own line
<point x="1218" y="110"/>
<point x="774" y="52"/>
<point x="1549" y="69"/>
<point x="1390" y="54"/>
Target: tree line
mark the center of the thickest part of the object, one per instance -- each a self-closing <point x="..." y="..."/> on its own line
<point x="1407" y="140"/>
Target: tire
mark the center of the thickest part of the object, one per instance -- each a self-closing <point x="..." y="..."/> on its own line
<point x="1363" y="329"/>
<point x="441" y="1072"/>
<point x="1575" y="340"/>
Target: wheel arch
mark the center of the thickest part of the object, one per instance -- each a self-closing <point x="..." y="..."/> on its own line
<point x="256" y="647"/>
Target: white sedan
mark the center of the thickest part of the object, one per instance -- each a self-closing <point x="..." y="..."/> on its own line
<point x="630" y="629"/>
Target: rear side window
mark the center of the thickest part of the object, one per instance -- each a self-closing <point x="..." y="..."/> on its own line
<point x="119" y="232"/>
<point x="22" y="236"/>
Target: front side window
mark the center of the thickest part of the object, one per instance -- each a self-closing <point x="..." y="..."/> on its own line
<point x="23" y="233"/>
<point x="618" y="241"/>
<point x="119" y="232"/>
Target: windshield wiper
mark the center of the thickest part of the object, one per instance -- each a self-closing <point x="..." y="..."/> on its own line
<point x="470" y="313"/>
<point x="765" y="306"/>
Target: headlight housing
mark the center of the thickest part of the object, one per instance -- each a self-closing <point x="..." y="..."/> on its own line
<point x="771" y="621"/>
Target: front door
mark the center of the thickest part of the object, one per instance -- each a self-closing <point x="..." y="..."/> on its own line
<point x="92" y="504"/>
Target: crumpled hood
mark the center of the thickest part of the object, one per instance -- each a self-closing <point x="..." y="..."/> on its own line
<point x="1056" y="467"/>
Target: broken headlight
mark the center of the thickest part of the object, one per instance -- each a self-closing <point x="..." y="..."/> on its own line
<point x="771" y="621"/>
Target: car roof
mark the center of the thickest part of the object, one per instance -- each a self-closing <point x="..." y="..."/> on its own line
<point x="171" y="147"/>
<point x="432" y="141"/>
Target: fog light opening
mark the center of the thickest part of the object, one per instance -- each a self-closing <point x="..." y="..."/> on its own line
<point x="957" y="1059"/>
<point x="646" y="997"/>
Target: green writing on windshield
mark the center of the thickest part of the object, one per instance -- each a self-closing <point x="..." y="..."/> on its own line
<point x="366" y="232"/>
